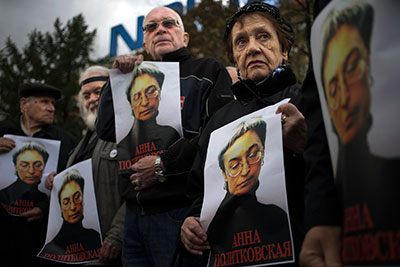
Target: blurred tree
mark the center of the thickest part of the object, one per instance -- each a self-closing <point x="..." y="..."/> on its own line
<point x="300" y="14"/>
<point x="205" y="24"/>
<point x="54" y="58"/>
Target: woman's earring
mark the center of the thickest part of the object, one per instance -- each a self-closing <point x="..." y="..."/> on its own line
<point x="225" y="185"/>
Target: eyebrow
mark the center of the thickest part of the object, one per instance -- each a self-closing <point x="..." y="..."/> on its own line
<point x="163" y="18"/>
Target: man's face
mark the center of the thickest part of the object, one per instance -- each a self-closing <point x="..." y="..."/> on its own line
<point x="242" y="163"/>
<point x="345" y="80"/>
<point x="30" y="166"/>
<point x="256" y="48"/>
<point x="39" y="109"/>
<point x="72" y="202"/>
<point x="163" y="39"/>
<point x="145" y="97"/>
<point x="91" y="93"/>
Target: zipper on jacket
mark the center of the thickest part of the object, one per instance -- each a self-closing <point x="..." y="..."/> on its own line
<point x="140" y="204"/>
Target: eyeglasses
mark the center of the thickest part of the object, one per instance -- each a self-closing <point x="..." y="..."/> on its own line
<point x="168" y="23"/>
<point x="150" y="92"/>
<point x="353" y="71"/>
<point x="37" y="165"/>
<point x="253" y="155"/>
<point x="76" y="199"/>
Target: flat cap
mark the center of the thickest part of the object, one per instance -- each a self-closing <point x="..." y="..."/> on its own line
<point x="36" y="89"/>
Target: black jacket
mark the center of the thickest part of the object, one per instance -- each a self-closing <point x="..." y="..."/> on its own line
<point x="205" y="87"/>
<point x="265" y="226"/>
<point x="250" y="98"/>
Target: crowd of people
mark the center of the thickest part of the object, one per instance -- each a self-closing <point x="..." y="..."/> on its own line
<point x="150" y="213"/>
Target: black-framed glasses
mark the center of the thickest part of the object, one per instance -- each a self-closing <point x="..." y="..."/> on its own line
<point x="168" y="23"/>
<point x="253" y="155"/>
<point x="150" y="92"/>
<point x="353" y="70"/>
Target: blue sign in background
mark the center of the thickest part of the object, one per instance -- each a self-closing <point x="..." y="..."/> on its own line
<point x="119" y="30"/>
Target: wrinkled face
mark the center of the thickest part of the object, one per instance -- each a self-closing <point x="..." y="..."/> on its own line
<point x="163" y="39"/>
<point x="71" y="198"/>
<point x="256" y="48"/>
<point x="242" y="162"/>
<point x="145" y="97"/>
<point x="346" y="83"/>
<point x="38" y="109"/>
<point x="30" y="166"/>
<point x="91" y="93"/>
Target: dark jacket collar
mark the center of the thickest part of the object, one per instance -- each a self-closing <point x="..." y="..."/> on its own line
<point x="247" y="89"/>
<point x="179" y="55"/>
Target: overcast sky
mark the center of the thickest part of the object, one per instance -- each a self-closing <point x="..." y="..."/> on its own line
<point x="20" y="17"/>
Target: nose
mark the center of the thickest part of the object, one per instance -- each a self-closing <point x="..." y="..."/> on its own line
<point x="245" y="168"/>
<point x="253" y="47"/>
<point x="344" y="96"/>
<point x="160" y="28"/>
<point x="144" y="101"/>
<point x="31" y="169"/>
<point x="51" y="108"/>
<point x="72" y="205"/>
<point x="93" y="98"/>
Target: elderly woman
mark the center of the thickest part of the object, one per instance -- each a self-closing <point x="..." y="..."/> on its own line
<point x="258" y="41"/>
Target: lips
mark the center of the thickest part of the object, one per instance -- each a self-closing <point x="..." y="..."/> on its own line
<point x="255" y="63"/>
<point x="162" y="40"/>
<point x="147" y="111"/>
<point x="351" y="118"/>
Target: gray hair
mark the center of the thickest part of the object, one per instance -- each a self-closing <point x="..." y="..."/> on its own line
<point x="102" y="71"/>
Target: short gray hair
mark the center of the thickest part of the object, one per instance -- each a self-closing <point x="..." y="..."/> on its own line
<point x="102" y="71"/>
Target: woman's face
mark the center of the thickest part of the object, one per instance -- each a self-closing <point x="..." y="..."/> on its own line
<point x="345" y="79"/>
<point x="145" y="97"/>
<point x="30" y="166"/>
<point x="71" y="198"/>
<point x="242" y="162"/>
<point x="256" y="48"/>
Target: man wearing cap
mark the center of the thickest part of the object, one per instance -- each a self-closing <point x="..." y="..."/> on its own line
<point x="22" y="237"/>
<point x="110" y="207"/>
<point x="155" y="192"/>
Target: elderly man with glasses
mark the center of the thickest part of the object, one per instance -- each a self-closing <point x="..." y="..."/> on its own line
<point x="155" y="193"/>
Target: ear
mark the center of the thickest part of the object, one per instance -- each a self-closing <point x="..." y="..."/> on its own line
<point x="285" y="55"/>
<point x="23" y="104"/>
<point x="186" y="38"/>
<point x="147" y="50"/>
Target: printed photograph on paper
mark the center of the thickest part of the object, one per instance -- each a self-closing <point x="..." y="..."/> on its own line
<point x="355" y="57"/>
<point x="245" y="212"/>
<point x="73" y="234"/>
<point x="24" y="170"/>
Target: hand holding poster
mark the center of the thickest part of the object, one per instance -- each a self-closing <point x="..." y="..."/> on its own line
<point x="245" y="209"/>
<point x="355" y="57"/>
<point x="147" y="110"/>
<point x="23" y="170"/>
<point x="73" y="234"/>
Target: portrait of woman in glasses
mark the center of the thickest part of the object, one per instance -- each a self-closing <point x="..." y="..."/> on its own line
<point x="29" y="163"/>
<point x="73" y="238"/>
<point x="367" y="182"/>
<point x="258" y="41"/>
<point x="241" y="213"/>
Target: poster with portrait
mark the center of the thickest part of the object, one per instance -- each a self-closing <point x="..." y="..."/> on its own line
<point x="355" y="57"/>
<point x="245" y="210"/>
<point x="24" y="170"/>
<point x="147" y="110"/>
<point x="73" y="232"/>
